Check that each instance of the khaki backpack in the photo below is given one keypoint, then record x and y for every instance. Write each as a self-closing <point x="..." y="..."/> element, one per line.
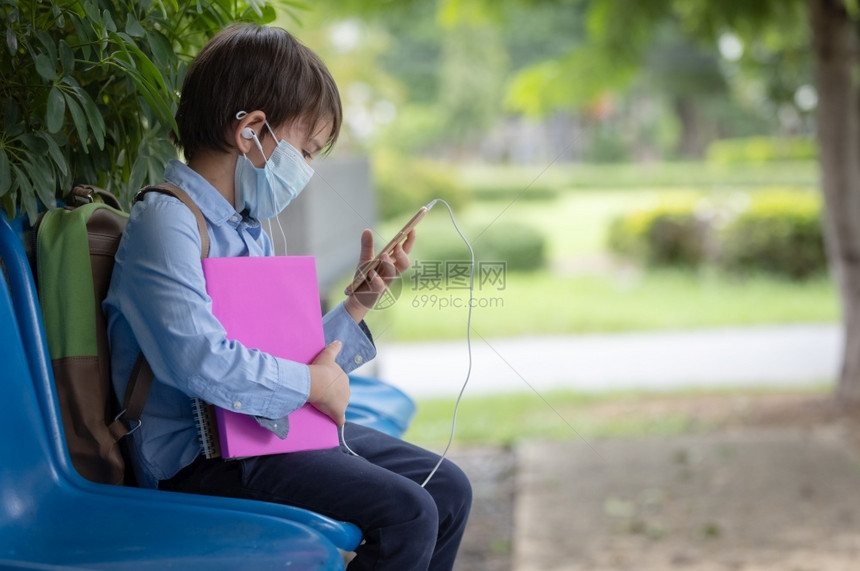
<point x="75" y="248"/>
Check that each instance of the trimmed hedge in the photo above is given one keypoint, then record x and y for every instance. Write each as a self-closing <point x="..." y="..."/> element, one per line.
<point x="761" y="150"/>
<point x="669" y="234"/>
<point x="521" y="247"/>
<point x="404" y="184"/>
<point x="777" y="232"/>
<point x="514" y="192"/>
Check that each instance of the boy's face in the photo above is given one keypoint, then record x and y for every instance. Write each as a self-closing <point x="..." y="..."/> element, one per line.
<point x="309" y="142"/>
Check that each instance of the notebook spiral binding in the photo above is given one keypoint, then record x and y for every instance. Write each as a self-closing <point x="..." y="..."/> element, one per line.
<point x="207" y="429"/>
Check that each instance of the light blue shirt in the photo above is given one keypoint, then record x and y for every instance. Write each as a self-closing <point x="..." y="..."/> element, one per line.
<point x="157" y="303"/>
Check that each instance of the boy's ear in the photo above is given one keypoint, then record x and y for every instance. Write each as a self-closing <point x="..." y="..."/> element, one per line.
<point x="242" y="139"/>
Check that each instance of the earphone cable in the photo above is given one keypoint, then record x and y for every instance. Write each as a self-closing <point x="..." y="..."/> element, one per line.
<point x="468" y="336"/>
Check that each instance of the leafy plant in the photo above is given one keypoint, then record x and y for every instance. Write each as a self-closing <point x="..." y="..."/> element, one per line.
<point x="779" y="233"/>
<point x="762" y="149"/>
<point x="522" y="248"/>
<point x="402" y="183"/>
<point x="667" y="234"/>
<point x="88" y="90"/>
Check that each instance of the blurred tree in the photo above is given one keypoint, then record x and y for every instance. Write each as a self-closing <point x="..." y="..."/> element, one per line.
<point x="834" y="26"/>
<point x="88" y="89"/>
<point x="650" y="49"/>
<point x="451" y="58"/>
<point x="776" y="38"/>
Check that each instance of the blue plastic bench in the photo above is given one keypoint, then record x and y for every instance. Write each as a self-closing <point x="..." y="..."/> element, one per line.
<point x="50" y="515"/>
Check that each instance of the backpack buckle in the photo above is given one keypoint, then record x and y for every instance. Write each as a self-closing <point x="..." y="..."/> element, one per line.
<point x="119" y="416"/>
<point x="87" y="193"/>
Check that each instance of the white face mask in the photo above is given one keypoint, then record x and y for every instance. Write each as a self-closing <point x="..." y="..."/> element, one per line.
<point x="266" y="191"/>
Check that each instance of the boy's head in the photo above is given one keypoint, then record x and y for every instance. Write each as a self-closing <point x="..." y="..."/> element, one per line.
<point x="247" y="68"/>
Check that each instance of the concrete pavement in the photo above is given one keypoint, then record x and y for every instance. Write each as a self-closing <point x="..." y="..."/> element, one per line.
<point x="785" y="355"/>
<point x="752" y="500"/>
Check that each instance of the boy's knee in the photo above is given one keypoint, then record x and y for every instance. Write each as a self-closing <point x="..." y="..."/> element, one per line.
<point x="416" y="508"/>
<point x="453" y="491"/>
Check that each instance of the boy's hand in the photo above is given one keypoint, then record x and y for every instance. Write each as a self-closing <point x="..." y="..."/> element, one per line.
<point x="367" y="294"/>
<point x="329" y="384"/>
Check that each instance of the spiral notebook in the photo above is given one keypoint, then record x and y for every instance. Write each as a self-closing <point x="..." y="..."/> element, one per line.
<point x="272" y="304"/>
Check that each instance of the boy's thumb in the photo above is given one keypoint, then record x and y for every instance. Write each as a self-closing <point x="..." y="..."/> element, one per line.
<point x="333" y="348"/>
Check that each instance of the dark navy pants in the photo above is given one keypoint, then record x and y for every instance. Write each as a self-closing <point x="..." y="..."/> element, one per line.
<point x="405" y="526"/>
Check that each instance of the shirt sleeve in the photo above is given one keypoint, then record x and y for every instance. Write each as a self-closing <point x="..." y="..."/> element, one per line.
<point x="358" y="347"/>
<point x="165" y="302"/>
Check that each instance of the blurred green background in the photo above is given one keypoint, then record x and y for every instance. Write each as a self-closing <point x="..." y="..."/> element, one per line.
<point x="653" y="175"/>
<point x="677" y="188"/>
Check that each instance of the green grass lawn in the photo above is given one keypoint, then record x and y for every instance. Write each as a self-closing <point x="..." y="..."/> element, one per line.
<point x="505" y="420"/>
<point x="583" y="290"/>
<point x="545" y="304"/>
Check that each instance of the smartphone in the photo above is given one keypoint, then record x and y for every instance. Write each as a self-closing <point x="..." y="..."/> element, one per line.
<point x="400" y="237"/>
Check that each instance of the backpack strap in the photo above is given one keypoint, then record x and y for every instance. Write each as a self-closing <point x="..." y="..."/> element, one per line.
<point x="140" y="380"/>
<point x="176" y="192"/>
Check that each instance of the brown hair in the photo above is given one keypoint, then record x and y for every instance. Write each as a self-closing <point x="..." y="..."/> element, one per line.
<point x="247" y="67"/>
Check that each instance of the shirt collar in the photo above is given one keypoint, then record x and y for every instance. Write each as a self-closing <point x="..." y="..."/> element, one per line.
<point x="214" y="206"/>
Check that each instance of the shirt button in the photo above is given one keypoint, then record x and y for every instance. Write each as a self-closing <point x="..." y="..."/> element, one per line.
<point x="275" y="425"/>
<point x="358" y="360"/>
<point x="234" y="218"/>
<point x="237" y="405"/>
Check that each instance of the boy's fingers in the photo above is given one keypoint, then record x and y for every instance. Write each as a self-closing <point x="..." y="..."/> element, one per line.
<point x="366" y="245"/>
<point x="410" y="241"/>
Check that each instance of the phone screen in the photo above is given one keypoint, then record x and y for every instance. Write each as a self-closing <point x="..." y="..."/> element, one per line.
<point x="361" y="276"/>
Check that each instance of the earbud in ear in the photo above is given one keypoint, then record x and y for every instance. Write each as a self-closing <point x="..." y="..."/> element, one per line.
<point x="248" y="133"/>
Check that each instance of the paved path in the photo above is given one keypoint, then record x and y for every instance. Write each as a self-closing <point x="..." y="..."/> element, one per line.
<point x="752" y="356"/>
<point x="753" y="500"/>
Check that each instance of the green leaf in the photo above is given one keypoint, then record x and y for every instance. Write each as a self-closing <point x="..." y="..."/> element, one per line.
<point x="9" y="202"/>
<point x="35" y="145"/>
<point x="5" y="173"/>
<point x="56" y="154"/>
<point x="60" y="21"/>
<point x="56" y="111"/>
<point x="96" y="121"/>
<point x="28" y="197"/>
<point x="78" y="119"/>
<point x="138" y="172"/>
<point x="43" y="179"/>
<point x="91" y="8"/>
<point x="11" y="41"/>
<point x="84" y="34"/>
<point x="48" y="42"/>
<point x="269" y="14"/>
<point x="67" y="58"/>
<point x="160" y="47"/>
<point x="133" y="27"/>
<point x="45" y="67"/>
<point x="146" y="76"/>
<point x="110" y="25"/>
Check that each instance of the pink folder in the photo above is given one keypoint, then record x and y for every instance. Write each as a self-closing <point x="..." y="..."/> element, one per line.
<point x="271" y="304"/>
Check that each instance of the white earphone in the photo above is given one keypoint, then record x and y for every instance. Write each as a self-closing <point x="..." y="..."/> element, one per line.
<point x="248" y="133"/>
